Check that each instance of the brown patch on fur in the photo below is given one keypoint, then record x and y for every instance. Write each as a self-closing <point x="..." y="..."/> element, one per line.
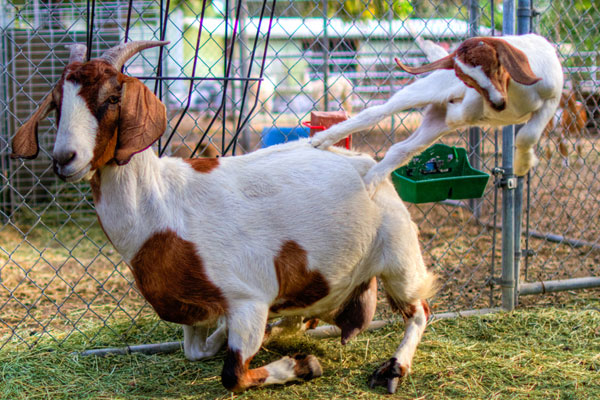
<point x="95" y="185"/>
<point x="358" y="310"/>
<point x="406" y="310"/>
<point x="426" y="309"/>
<point x="203" y="165"/>
<point x="298" y="287"/>
<point x="237" y="375"/>
<point x="311" y="323"/>
<point x="170" y="275"/>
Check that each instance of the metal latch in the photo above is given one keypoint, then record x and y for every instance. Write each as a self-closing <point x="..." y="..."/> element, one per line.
<point x="502" y="180"/>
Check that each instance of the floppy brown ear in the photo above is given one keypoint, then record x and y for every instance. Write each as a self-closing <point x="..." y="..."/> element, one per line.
<point x="443" y="63"/>
<point x="142" y="121"/>
<point x="25" y="142"/>
<point x="514" y="61"/>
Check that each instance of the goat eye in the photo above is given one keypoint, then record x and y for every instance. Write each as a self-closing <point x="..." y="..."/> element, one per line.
<point x="113" y="99"/>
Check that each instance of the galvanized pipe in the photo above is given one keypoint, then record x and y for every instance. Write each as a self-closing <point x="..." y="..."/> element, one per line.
<point x="508" y="194"/>
<point x="320" y="332"/>
<point x="558" y="286"/>
<point x="474" y="132"/>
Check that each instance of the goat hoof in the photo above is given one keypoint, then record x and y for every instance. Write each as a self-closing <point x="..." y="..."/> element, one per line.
<point x="307" y="367"/>
<point x="388" y="375"/>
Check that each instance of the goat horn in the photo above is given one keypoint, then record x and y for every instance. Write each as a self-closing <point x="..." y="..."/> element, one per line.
<point x="118" y="55"/>
<point x="77" y="52"/>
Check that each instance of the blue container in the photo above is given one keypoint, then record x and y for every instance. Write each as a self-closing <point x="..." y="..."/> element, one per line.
<point x="276" y="135"/>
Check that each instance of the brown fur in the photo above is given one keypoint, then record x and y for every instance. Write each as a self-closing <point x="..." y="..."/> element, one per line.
<point x="358" y="311"/>
<point x="427" y="309"/>
<point x="203" y="165"/>
<point x="170" y="275"/>
<point x="298" y="287"/>
<point x="95" y="186"/>
<point x="237" y="375"/>
<point x="143" y="120"/>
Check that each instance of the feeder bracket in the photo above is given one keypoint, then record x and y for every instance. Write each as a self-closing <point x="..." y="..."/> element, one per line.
<point x="503" y="179"/>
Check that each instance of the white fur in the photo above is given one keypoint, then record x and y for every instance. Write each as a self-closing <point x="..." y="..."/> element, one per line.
<point x="452" y="105"/>
<point x="340" y="89"/>
<point x="76" y="133"/>
<point x="482" y="80"/>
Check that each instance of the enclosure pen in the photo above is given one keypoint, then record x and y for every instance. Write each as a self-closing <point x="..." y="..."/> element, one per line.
<point x="62" y="284"/>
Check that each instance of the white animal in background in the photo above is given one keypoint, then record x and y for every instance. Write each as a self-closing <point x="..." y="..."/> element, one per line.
<point x="340" y="90"/>
<point x="569" y="122"/>
<point x="485" y="81"/>
<point x="285" y="231"/>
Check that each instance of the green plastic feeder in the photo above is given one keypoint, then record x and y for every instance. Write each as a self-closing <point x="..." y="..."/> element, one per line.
<point x="441" y="172"/>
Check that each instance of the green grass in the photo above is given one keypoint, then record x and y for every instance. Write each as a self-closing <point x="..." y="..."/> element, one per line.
<point x="544" y="353"/>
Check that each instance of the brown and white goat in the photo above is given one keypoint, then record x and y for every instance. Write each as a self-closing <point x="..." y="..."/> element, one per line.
<point x="485" y="81"/>
<point x="286" y="231"/>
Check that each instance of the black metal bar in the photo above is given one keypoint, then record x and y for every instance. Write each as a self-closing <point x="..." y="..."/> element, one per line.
<point x="227" y="66"/>
<point x="163" y="32"/>
<point x="128" y="23"/>
<point x="241" y="124"/>
<point x="91" y="10"/>
<point x="191" y="88"/>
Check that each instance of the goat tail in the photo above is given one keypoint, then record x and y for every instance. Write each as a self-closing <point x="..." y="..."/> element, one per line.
<point x="429" y="287"/>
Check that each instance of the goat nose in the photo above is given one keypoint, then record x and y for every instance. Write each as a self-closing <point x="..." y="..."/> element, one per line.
<point x="64" y="158"/>
<point x="500" y="107"/>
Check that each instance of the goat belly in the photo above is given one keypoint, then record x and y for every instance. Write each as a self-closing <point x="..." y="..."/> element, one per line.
<point x="170" y="275"/>
<point x="358" y="311"/>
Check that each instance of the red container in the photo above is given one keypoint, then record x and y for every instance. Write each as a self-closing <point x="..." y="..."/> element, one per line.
<point x="321" y="120"/>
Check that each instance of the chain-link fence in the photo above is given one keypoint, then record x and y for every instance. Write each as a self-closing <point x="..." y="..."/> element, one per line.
<point x="59" y="276"/>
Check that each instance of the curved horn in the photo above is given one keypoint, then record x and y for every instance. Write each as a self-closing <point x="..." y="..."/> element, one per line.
<point x="443" y="63"/>
<point x="77" y="52"/>
<point x="118" y="55"/>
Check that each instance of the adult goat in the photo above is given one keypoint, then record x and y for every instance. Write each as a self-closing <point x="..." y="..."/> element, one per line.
<point x="288" y="230"/>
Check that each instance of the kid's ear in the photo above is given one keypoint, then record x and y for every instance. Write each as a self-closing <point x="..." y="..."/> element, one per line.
<point x="142" y="122"/>
<point x="515" y="62"/>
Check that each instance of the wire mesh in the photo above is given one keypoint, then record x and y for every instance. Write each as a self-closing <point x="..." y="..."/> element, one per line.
<point x="60" y="277"/>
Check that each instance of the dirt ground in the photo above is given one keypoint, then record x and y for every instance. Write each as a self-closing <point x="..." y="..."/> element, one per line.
<point x="59" y="277"/>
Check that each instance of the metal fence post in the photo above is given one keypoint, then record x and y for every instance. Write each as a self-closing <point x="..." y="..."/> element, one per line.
<point x="523" y="27"/>
<point x="508" y="192"/>
<point x="474" y="132"/>
<point x="325" y="48"/>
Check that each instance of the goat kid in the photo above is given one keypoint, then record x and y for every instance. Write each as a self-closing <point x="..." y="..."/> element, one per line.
<point x="489" y="81"/>
<point x="286" y="231"/>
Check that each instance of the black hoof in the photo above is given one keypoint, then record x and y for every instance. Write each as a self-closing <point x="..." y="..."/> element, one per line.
<point x="307" y="367"/>
<point x="388" y="375"/>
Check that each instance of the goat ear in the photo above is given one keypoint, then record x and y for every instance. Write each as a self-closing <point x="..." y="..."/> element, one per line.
<point x="142" y="121"/>
<point x="443" y="63"/>
<point x="514" y="61"/>
<point x="25" y="142"/>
